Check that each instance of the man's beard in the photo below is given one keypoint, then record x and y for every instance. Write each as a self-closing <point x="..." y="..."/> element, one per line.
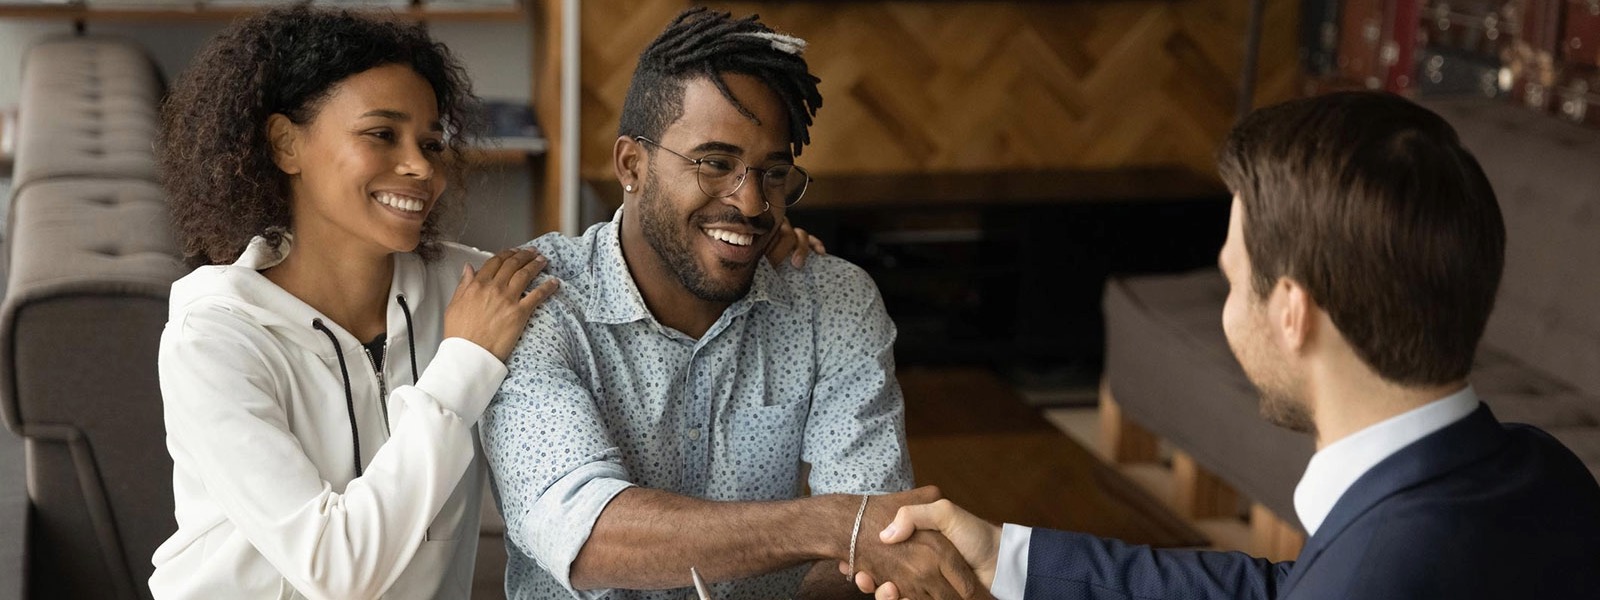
<point x="1269" y="373"/>
<point x="1285" y="411"/>
<point x="664" y="233"/>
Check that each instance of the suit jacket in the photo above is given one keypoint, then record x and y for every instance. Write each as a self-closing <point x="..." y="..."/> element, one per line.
<point x="1478" y="509"/>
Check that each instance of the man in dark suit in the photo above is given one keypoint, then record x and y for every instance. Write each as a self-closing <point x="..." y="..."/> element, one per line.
<point x="1363" y="256"/>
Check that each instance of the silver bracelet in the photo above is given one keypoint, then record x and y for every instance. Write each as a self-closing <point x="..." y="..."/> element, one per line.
<point x="855" y="532"/>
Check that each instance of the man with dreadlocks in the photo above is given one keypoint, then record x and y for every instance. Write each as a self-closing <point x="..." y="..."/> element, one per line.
<point x="667" y="407"/>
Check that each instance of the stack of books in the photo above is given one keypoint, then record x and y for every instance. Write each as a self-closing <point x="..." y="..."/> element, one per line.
<point x="513" y="126"/>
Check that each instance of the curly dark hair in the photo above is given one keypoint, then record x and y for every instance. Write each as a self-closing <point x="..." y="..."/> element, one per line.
<point x="701" y="42"/>
<point x="213" y="152"/>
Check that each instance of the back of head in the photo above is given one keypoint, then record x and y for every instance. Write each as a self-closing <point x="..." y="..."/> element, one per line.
<point x="1371" y="203"/>
<point x="704" y="43"/>
<point x="213" y="152"/>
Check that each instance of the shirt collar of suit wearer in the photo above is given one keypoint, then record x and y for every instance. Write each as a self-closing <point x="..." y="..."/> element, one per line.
<point x="1335" y="468"/>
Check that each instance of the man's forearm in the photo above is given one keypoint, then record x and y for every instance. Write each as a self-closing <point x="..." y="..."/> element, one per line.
<point x="648" y="539"/>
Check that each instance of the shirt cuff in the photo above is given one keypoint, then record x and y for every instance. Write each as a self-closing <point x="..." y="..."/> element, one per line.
<point x="1011" y="570"/>
<point x="560" y="521"/>
<point x="462" y="378"/>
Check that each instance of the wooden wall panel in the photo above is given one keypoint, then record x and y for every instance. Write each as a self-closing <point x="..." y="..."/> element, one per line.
<point x="974" y="86"/>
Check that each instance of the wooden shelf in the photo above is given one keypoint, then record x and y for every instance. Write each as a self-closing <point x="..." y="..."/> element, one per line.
<point x="503" y="156"/>
<point x="205" y="13"/>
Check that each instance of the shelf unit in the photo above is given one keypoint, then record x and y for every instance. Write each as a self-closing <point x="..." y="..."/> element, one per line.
<point x="199" y="12"/>
<point x="554" y="199"/>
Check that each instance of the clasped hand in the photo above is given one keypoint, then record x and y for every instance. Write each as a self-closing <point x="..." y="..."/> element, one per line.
<point x="928" y="550"/>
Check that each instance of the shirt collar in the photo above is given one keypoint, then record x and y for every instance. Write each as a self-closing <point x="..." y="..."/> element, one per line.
<point x="1335" y="468"/>
<point x="616" y="298"/>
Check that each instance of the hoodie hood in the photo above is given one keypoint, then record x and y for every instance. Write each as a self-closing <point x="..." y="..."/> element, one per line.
<point x="241" y="289"/>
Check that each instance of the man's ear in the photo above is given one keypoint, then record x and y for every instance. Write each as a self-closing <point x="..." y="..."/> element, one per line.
<point x="1294" y="314"/>
<point x="284" y="137"/>
<point x="627" y="159"/>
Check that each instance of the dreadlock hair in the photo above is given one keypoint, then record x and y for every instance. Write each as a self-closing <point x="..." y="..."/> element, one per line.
<point x="704" y="43"/>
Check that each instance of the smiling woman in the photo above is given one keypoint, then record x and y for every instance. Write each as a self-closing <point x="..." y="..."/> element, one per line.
<point x="309" y="155"/>
<point x="364" y="167"/>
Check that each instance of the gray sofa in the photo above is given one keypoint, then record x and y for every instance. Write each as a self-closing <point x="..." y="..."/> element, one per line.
<point x="1169" y="369"/>
<point x="89" y="261"/>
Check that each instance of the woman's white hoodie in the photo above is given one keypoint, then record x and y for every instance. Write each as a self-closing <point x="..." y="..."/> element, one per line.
<point x="263" y="440"/>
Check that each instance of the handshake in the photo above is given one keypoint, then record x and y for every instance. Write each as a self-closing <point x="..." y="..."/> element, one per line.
<point x="917" y="545"/>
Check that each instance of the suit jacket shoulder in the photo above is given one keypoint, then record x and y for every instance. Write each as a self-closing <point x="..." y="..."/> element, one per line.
<point x="1476" y="510"/>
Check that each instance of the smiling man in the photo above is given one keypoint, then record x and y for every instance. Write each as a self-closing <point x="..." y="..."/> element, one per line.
<point x="669" y="405"/>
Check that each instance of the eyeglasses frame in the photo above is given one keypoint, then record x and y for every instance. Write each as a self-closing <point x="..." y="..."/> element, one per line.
<point x="742" y="176"/>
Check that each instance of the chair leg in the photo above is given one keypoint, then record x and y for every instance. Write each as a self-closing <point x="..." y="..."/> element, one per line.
<point x="1199" y="494"/>
<point x="1121" y="439"/>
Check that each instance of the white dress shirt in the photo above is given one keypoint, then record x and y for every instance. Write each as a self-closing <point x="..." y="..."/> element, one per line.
<point x="1328" y="476"/>
<point x="1335" y="468"/>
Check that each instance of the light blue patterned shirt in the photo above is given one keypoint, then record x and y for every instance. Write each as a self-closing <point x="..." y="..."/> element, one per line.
<point x="601" y="397"/>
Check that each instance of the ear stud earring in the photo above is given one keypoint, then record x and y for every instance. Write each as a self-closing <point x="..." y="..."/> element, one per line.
<point x="628" y="188"/>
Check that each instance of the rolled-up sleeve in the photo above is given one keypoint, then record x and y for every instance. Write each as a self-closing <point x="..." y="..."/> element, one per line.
<point x="555" y="467"/>
<point x="855" y="438"/>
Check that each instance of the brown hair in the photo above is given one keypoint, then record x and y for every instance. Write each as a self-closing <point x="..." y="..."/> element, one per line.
<point x="216" y="163"/>
<point x="1371" y="203"/>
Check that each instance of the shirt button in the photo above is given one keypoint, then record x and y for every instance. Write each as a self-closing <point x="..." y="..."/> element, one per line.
<point x="694" y="434"/>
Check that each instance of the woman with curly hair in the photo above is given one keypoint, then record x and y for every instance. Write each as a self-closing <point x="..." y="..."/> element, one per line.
<point x="324" y="366"/>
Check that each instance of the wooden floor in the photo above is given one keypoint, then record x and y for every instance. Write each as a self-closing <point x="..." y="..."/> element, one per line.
<point x="971" y="434"/>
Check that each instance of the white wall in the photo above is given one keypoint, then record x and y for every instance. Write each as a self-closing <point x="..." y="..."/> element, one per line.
<point x="497" y="56"/>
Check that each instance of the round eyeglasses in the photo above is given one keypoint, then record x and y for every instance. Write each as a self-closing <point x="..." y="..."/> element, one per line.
<point x="721" y="176"/>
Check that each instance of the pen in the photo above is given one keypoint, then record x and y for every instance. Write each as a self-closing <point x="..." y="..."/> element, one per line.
<point x="699" y="584"/>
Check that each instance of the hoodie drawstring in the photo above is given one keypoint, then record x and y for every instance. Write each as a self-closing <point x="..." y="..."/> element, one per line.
<point x="344" y="370"/>
<point x="411" y="338"/>
<point x="349" y="399"/>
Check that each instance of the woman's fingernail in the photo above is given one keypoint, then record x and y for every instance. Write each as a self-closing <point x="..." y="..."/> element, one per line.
<point x="888" y="532"/>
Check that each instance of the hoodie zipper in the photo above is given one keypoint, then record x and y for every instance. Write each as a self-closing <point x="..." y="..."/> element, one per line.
<point x="383" y="388"/>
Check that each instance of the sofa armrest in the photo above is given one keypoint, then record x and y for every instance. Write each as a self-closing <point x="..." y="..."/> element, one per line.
<point x="92" y="263"/>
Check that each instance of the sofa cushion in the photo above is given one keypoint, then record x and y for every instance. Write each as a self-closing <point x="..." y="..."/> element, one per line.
<point x="87" y="108"/>
<point x="1170" y="368"/>
<point x="80" y="239"/>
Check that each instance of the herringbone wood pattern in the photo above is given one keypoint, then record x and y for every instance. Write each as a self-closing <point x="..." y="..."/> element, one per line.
<point x="975" y="86"/>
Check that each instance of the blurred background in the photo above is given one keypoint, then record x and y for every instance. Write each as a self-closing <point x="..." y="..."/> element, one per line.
<point x="1030" y="183"/>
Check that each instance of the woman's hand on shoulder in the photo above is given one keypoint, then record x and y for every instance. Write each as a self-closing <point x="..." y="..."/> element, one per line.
<point x="794" y="245"/>
<point x="492" y="303"/>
